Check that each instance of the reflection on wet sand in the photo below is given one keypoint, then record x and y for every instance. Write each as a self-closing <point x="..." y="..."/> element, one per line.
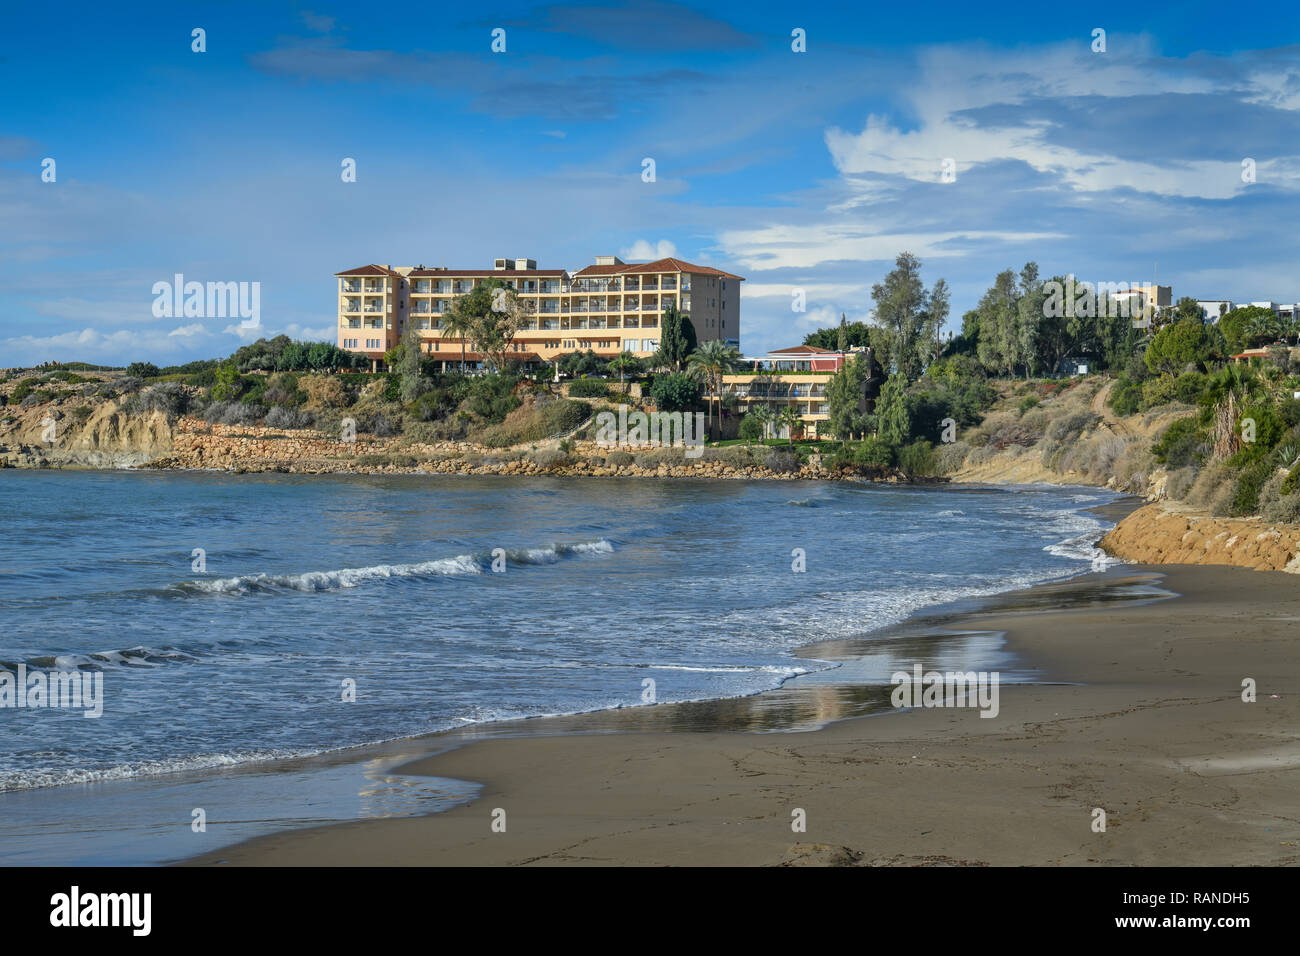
<point x="941" y="639"/>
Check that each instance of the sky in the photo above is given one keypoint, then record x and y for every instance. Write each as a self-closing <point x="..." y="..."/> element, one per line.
<point x="802" y="170"/>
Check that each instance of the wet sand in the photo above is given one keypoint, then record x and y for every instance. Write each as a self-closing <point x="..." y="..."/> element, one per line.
<point x="1132" y="705"/>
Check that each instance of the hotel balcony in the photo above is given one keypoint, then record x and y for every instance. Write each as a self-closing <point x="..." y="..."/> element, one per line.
<point x="351" y="285"/>
<point x="631" y="285"/>
<point x="650" y="285"/>
<point x="668" y="285"/>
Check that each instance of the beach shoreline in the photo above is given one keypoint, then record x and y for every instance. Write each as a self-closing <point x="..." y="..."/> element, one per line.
<point x="1135" y="709"/>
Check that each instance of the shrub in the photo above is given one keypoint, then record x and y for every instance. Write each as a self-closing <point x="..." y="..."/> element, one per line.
<point x="781" y="461"/>
<point x="675" y="392"/>
<point x="1028" y="402"/>
<point x="1158" y="391"/>
<point x="1125" y="397"/>
<point x="282" y="417"/>
<point x="323" y="391"/>
<point x="1245" y="497"/>
<point x="1071" y="426"/>
<point x="1009" y="435"/>
<point x="549" y="457"/>
<point x="1213" y="489"/>
<point x="1188" y="387"/>
<point x="233" y="413"/>
<point x="751" y="429"/>
<point x="619" y="458"/>
<point x="381" y="425"/>
<point x="1277" y="504"/>
<point x="545" y="419"/>
<point x="588" y="388"/>
<point x="916" y="460"/>
<point x="1181" y="444"/>
<point x="171" y="398"/>
<point x="1179" y="483"/>
<point x="873" y="453"/>
<point x="81" y="413"/>
<point x="950" y="457"/>
<point x="143" y="370"/>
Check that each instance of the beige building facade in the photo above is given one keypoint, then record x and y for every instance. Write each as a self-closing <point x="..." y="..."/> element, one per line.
<point x="608" y="307"/>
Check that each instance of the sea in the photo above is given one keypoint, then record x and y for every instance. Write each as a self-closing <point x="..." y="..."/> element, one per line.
<point x="251" y="635"/>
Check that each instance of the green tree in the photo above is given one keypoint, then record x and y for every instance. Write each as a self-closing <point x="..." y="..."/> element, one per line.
<point x="411" y="384"/>
<point x="142" y="370"/>
<point x="790" y="419"/>
<point x="677" y="340"/>
<point x="846" y="398"/>
<point x="1187" y="341"/>
<point x="907" y="316"/>
<point x="228" y="384"/>
<point x="891" y="410"/>
<point x="751" y="428"/>
<point x="1236" y="325"/>
<point x="855" y="334"/>
<point x="710" y="362"/>
<point x="675" y="391"/>
<point x="763" y="416"/>
<point x="624" y="363"/>
<point x="997" y="316"/>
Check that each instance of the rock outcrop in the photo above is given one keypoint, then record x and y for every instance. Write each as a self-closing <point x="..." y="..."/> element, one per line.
<point x="1164" y="533"/>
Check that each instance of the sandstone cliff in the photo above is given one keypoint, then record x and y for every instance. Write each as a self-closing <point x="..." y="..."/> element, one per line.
<point x="1165" y="533"/>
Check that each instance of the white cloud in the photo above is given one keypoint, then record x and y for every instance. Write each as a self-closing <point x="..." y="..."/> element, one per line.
<point x="803" y="247"/>
<point x="953" y="79"/>
<point x="643" y="250"/>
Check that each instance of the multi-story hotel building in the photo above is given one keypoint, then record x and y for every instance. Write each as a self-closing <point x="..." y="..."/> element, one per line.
<point x="796" y="377"/>
<point x="609" y="307"/>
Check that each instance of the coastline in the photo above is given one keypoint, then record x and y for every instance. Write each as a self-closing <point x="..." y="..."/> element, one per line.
<point x="1135" y="708"/>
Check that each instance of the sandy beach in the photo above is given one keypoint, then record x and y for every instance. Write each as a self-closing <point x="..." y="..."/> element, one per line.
<point x="1135" y="708"/>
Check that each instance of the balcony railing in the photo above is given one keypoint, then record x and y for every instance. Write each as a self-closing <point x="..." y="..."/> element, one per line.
<point x="352" y="287"/>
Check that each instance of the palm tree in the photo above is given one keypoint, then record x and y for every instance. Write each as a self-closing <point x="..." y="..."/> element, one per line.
<point x="623" y="363"/>
<point x="460" y="324"/>
<point x="711" y="361"/>
<point x="791" y="419"/>
<point x="763" y="415"/>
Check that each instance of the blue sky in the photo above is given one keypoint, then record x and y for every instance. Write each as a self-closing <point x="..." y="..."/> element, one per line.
<point x="796" y="170"/>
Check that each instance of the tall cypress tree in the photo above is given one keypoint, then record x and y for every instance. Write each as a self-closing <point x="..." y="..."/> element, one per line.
<point x="676" y="339"/>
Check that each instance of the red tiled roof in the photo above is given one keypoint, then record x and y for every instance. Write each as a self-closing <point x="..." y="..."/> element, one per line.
<point x="803" y="350"/>
<point x="370" y="270"/>
<point x="670" y="264"/>
<point x="485" y="273"/>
